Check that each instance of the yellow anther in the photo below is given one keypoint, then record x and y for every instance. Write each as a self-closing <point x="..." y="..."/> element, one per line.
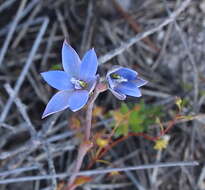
<point x="115" y="76"/>
<point x="82" y="83"/>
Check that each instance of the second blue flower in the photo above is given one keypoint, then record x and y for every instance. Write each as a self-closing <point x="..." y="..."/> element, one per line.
<point x="124" y="81"/>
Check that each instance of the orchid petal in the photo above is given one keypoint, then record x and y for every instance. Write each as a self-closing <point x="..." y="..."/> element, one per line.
<point x="112" y="83"/>
<point x="118" y="95"/>
<point x="78" y="99"/>
<point x="58" y="79"/>
<point x="91" y="83"/>
<point x="140" y="82"/>
<point x="70" y="59"/>
<point x="128" y="88"/>
<point x="89" y="65"/>
<point x="127" y="73"/>
<point x="58" y="102"/>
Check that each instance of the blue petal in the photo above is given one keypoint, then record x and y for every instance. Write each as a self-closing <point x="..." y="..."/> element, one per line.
<point x="92" y="83"/>
<point x="118" y="95"/>
<point x="70" y="59"/>
<point x="89" y="65"/>
<point x="58" y="79"/>
<point x="112" y="83"/>
<point x="58" y="102"/>
<point x="78" y="99"/>
<point x="140" y="82"/>
<point x="127" y="73"/>
<point x="128" y="88"/>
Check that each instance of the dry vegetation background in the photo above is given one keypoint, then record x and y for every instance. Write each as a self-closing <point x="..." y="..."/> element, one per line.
<point x="140" y="34"/>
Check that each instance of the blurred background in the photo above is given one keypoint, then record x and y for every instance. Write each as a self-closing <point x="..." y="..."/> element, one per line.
<point x="165" y="125"/>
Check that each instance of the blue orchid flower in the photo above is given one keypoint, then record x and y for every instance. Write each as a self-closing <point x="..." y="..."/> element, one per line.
<point x="124" y="81"/>
<point x="75" y="83"/>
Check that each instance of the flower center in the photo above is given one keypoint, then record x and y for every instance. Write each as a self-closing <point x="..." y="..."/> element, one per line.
<point x="118" y="78"/>
<point x="78" y="84"/>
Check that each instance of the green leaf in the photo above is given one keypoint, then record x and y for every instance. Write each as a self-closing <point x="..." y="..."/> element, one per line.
<point x="56" y="67"/>
<point x="136" y="122"/>
<point x="122" y="130"/>
<point x="185" y="102"/>
<point x="124" y="108"/>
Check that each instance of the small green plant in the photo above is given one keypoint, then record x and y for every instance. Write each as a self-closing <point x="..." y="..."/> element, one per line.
<point x="134" y="118"/>
<point x="55" y="67"/>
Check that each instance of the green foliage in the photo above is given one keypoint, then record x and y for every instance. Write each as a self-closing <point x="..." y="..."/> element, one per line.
<point x="135" y="118"/>
<point x="56" y="67"/>
<point x="122" y="130"/>
<point x="124" y="108"/>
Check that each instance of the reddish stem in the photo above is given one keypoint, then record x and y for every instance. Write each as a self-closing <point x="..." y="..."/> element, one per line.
<point x="148" y="137"/>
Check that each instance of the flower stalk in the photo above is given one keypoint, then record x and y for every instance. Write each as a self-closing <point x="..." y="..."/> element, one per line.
<point x="87" y="143"/>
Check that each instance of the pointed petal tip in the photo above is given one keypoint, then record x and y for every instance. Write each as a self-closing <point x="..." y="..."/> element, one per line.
<point x="57" y="103"/>
<point x="75" y="110"/>
<point x="65" y="42"/>
<point x="123" y="98"/>
<point x="70" y="59"/>
<point x="118" y="95"/>
<point x="42" y="74"/>
<point x="89" y="64"/>
<point x="139" y="94"/>
<point x="145" y="81"/>
<point x="92" y="50"/>
<point x="44" y="115"/>
<point x="141" y="82"/>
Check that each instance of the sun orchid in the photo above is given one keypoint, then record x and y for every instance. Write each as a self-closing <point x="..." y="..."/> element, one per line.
<point x="75" y="83"/>
<point x="124" y="81"/>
